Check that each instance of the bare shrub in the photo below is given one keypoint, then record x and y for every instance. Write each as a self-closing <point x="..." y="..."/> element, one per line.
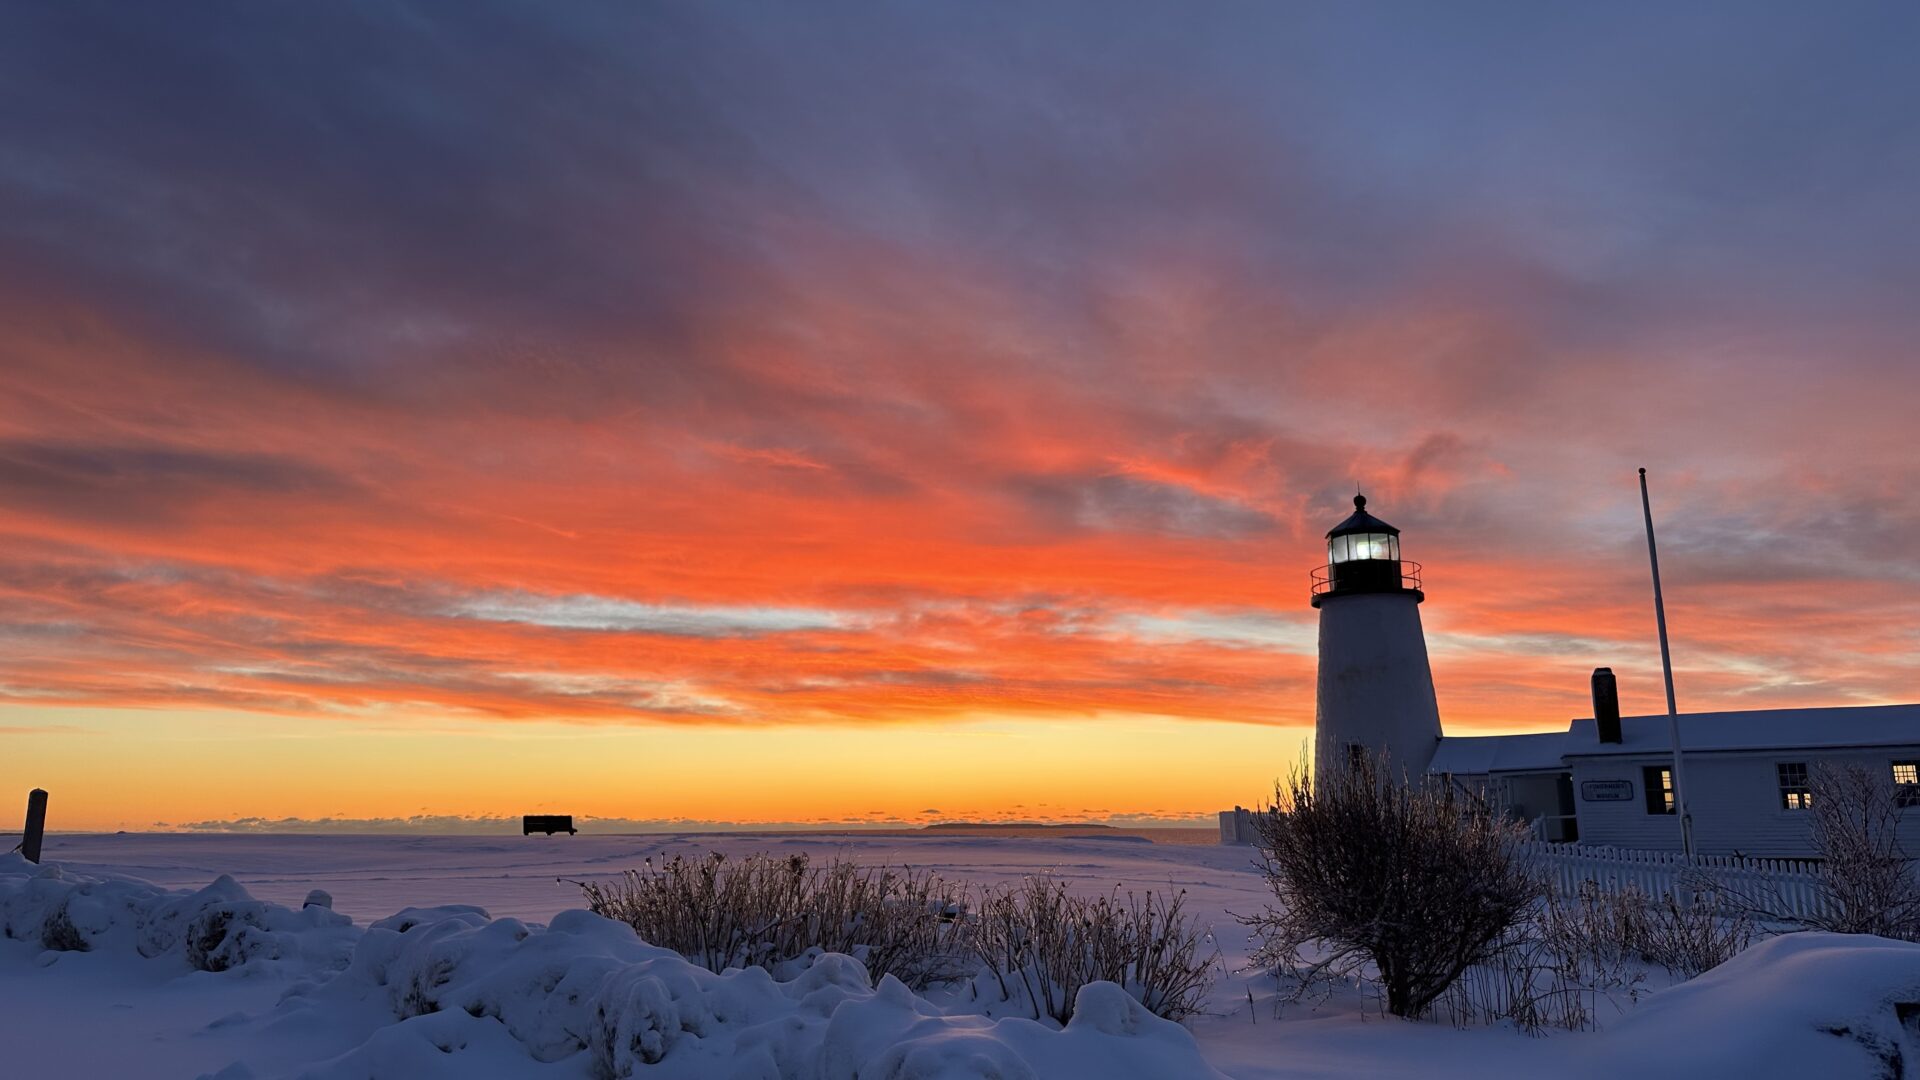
<point x="763" y="910"/>
<point x="1866" y="878"/>
<point x="1553" y="968"/>
<point x="1040" y="942"/>
<point x="1594" y="930"/>
<point x="1043" y="944"/>
<point x="1409" y="883"/>
<point x="1693" y="930"/>
<point x="1573" y="952"/>
<point x="1687" y="931"/>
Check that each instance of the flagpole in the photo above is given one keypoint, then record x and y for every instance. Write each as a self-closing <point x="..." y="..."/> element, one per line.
<point x="1666" y="667"/>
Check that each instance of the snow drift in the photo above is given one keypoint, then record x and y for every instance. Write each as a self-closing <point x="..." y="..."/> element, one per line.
<point x="216" y="928"/>
<point x="451" y="992"/>
<point x="180" y="982"/>
<point x="1799" y="1005"/>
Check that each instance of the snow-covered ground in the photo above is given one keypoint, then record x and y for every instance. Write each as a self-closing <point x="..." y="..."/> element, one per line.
<point x="320" y="993"/>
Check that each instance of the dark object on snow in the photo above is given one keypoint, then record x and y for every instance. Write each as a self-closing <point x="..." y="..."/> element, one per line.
<point x="36" y="826"/>
<point x="547" y="823"/>
<point x="1606" y="705"/>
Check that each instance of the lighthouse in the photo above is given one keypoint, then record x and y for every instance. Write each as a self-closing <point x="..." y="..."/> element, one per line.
<point x="1375" y="696"/>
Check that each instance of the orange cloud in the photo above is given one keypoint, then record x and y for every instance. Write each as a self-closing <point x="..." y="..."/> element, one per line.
<point x="767" y="408"/>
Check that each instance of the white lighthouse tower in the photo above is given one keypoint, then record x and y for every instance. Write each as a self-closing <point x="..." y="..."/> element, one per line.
<point x="1376" y="689"/>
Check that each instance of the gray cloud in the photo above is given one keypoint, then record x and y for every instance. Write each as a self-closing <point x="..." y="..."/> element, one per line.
<point x="135" y="483"/>
<point x="1130" y="504"/>
<point x="335" y="188"/>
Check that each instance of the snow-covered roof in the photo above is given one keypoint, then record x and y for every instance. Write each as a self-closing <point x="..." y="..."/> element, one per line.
<point x="1467" y="755"/>
<point x="1761" y="729"/>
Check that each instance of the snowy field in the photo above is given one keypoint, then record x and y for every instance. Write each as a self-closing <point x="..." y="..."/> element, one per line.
<point x="319" y="995"/>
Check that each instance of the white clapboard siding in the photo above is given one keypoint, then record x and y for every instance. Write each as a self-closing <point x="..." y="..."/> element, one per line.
<point x="1788" y="888"/>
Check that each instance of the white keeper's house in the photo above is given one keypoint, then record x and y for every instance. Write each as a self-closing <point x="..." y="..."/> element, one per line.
<point x="1605" y="779"/>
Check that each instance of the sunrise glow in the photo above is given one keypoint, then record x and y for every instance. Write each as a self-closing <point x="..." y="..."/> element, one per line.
<point x="672" y="447"/>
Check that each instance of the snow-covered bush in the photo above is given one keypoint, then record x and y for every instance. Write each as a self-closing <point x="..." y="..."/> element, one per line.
<point x="768" y="911"/>
<point x="450" y="992"/>
<point x="216" y="928"/>
<point x="1407" y="884"/>
<point x="67" y="912"/>
<point x="58" y="933"/>
<point x="1866" y="878"/>
<point x="467" y="991"/>
<point x="1042" y="944"/>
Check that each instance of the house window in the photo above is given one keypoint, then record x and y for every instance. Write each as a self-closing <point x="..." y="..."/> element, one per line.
<point x="1795" y="793"/>
<point x="1906" y="783"/>
<point x="1657" y="782"/>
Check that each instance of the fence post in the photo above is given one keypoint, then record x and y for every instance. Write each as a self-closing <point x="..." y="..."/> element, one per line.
<point x="36" y="825"/>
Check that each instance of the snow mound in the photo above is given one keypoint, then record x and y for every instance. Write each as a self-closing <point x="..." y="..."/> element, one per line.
<point x="1800" y="1005"/>
<point x="450" y="992"/>
<point x="217" y="928"/>
<point x="587" y="992"/>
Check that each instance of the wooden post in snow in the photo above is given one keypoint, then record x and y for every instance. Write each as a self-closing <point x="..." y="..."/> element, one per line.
<point x="36" y="824"/>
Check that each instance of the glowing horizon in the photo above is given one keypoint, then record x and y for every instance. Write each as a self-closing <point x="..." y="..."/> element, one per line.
<point x="629" y="413"/>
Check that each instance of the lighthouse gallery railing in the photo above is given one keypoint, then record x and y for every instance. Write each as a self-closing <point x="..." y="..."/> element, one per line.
<point x="1323" y="575"/>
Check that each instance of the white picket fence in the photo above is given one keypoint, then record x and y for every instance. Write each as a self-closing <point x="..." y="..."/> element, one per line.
<point x="1787" y="888"/>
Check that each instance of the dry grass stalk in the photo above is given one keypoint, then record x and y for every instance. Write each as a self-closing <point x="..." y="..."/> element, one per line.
<point x="1570" y="953"/>
<point x="1043" y="944"/>
<point x="762" y="911"/>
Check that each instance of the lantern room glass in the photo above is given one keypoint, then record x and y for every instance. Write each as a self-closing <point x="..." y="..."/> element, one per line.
<point x="1358" y="547"/>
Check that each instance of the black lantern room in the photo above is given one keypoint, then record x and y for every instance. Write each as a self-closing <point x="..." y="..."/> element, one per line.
<point x="1363" y="556"/>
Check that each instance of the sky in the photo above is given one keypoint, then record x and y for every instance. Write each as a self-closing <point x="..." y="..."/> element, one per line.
<point x="413" y="415"/>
